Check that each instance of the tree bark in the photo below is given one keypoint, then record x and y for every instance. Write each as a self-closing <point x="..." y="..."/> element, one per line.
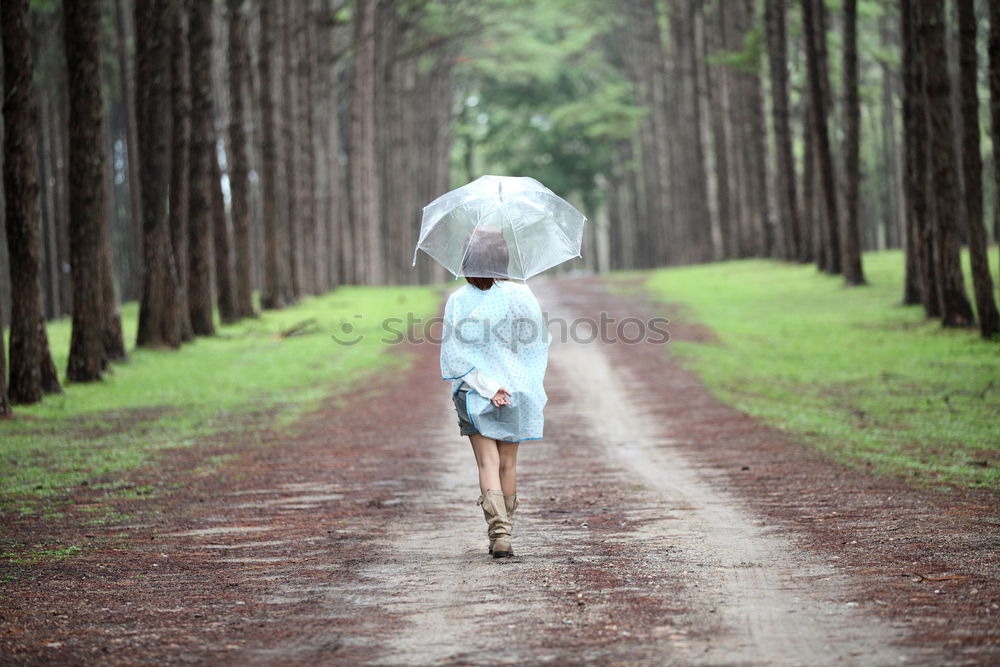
<point x="993" y="53"/>
<point x="29" y="351"/>
<point x="337" y="226"/>
<point x="972" y="168"/>
<point x="364" y="191"/>
<point x="180" y="162"/>
<point x="719" y="92"/>
<point x="159" y="314"/>
<point x="222" y="244"/>
<point x="851" y="261"/>
<point x="202" y="153"/>
<point x="239" y="180"/>
<point x="273" y="287"/>
<point x="814" y="33"/>
<point x="126" y="79"/>
<point x="756" y="155"/>
<point x="920" y="244"/>
<point x="943" y="168"/>
<point x="306" y="148"/>
<point x="292" y="163"/>
<point x="777" y="50"/>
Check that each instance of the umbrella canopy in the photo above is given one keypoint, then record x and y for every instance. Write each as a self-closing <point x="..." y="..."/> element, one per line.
<point x="500" y="227"/>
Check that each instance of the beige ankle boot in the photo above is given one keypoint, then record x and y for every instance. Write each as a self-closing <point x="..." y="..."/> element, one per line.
<point x="498" y="524"/>
<point x="510" y="502"/>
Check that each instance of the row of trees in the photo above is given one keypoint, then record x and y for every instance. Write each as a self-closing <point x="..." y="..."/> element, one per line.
<point x="191" y="152"/>
<point x="715" y="129"/>
<point x="730" y="185"/>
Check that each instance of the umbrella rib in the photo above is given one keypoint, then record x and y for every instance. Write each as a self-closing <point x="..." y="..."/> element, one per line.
<point x="513" y="235"/>
<point x="468" y="247"/>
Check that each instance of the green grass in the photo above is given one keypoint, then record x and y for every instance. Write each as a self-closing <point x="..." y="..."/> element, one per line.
<point x="162" y="399"/>
<point x="848" y="370"/>
<point x="40" y="554"/>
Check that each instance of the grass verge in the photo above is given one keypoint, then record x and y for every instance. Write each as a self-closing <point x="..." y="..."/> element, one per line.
<point x="850" y="371"/>
<point x="163" y="399"/>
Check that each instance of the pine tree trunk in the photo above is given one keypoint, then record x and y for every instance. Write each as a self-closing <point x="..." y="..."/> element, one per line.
<point x="29" y="353"/>
<point x="364" y="190"/>
<point x="126" y="79"/>
<point x="943" y="168"/>
<point x="200" y="222"/>
<point x="814" y="33"/>
<point x="305" y="150"/>
<point x="273" y="286"/>
<point x="50" y="253"/>
<point x="292" y="162"/>
<point x="920" y="243"/>
<point x="718" y="89"/>
<point x="87" y="204"/>
<point x="334" y="181"/>
<point x="777" y="50"/>
<point x="180" y="160"/>
<point x="701" y="218"/>
<point x="853" y="272"/>
<point x="993" y="51"/>
<point x="239" y="161"/>
<point x="159" y="313"/>
<point x="222" y="246"/>
<point x="972" y="168"/>
<point x="757" y="161"/>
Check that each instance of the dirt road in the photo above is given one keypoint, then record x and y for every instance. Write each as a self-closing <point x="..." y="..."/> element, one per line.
<point x="644" y="536"/>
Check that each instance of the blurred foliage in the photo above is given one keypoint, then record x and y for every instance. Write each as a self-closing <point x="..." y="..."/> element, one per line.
<point x="541" y="98"/>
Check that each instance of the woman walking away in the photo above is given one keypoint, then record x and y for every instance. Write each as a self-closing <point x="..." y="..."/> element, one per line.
<point x="494" y="350"/>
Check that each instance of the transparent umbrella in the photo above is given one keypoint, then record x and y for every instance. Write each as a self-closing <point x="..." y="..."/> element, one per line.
<point x="500" y="227"/>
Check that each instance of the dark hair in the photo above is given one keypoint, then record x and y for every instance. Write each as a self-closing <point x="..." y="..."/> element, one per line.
<point x="485" y="251"/>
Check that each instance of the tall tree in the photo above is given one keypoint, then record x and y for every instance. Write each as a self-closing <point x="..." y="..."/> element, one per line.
<point x="159" y="313"/>
<point x="291" y="106"/>
<point x="30" y="360"/>
<point x="972" y="170"/>
<point x="274" y="284"/>
<point x="239" y="181"/>
<point x="815" y="34"/>
<point x="364" y="191"/>
<point x="719" y="109"/>
<point x="755" y="145"/>
<point x="943" y="168"/>
<point x="853" y="272"/>
<point x="306" y="149"/>
<point x="202" y="153"/>
<point x="222" y="246"/>
<point x="86" y="188"/>
<point x="180" y="160"/>
<point x="920" y="239"/>
<point x="993" y="50"/>
<point x="777" y="51"/>
<point x="126" y="80"/>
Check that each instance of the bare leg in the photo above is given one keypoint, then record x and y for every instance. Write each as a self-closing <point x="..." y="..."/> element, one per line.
<point x="488" y="459"/>
<point x="508" y="467"/>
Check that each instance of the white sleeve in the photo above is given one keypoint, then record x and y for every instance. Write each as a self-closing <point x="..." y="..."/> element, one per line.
<point x="483" y="385"/>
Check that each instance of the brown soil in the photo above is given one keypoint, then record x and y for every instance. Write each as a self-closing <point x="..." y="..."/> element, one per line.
<point x="657" y="525"/>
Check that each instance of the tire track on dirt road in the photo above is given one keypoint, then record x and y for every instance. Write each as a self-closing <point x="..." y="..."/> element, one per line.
<point x="772" y="603"/>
